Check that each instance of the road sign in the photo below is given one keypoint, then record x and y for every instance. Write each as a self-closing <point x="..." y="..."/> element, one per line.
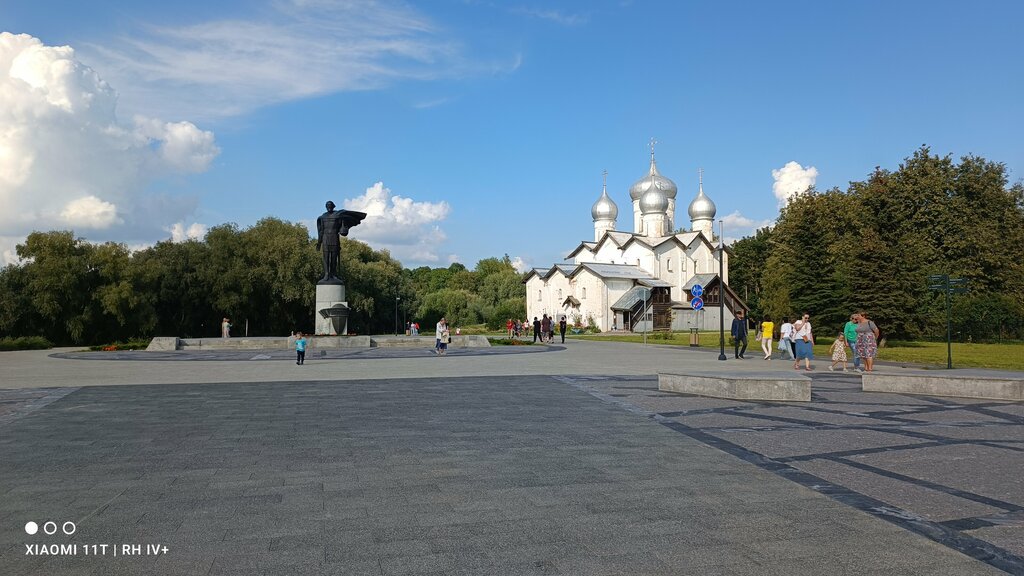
<point x="697" y="303"/>
<point x="697" y="290"/>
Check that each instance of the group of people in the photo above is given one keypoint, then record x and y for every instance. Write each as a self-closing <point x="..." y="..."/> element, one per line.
<point x="412" y="328"/>
<point x="544" y="329"/>
<point x="796" y="341"/>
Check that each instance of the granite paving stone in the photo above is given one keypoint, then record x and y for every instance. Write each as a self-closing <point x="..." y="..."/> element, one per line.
<point x="487" y="475"/>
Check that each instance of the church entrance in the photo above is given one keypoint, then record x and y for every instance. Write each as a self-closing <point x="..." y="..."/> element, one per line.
<point x="645" y="311"/>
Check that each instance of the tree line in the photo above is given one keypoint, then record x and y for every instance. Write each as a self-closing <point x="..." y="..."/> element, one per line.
<point x="71" y="291"/>
<point x="873" y="246"/>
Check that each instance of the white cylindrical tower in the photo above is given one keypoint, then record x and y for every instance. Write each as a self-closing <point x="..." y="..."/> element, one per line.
<point x="702" y="211"/>
<point x="604" y="212"/>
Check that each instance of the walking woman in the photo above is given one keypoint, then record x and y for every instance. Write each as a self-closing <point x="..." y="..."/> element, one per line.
<point x="867" y="341"/>
<point x="786" y="351"/>
<point x="767" y="332"/>
<point x="804" y="339"/>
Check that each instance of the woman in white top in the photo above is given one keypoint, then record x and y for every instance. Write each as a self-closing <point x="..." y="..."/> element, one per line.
<point x="804" y="339"/>
<point x="786" y="340"/>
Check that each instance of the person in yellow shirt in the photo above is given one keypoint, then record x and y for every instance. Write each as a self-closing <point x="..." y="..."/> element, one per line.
<point x="767" y="331"/>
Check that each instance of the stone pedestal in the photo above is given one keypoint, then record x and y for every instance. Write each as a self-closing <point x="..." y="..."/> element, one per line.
<point x="327" y="296"/>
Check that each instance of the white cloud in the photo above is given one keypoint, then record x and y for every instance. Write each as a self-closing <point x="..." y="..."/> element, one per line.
<point x="291" y="49"/>
<point x="738" y="226"/>
<point x="453" y="258"/>
<point x="67" y="161"/>
<point x="408" y="229"/>
<point x="90" y="212"/>
<point x="519" y="264"/>
<point x="792" y="179"/>
<point x="179" y="233"/>
<point x="8" y="252"/>
<point x="555" y="16"/>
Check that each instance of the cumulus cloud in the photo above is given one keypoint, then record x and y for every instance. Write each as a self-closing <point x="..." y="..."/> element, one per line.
<point x="90" y="212"/>
<point x="519" y="264"/>
<point x="792" y="179"/>
<point x="410" y="230"/>
<point x="738" y="226"/>
<point x="179" y="233"/>
<point x="67" y="161"/>
<point x="288" y="50"/>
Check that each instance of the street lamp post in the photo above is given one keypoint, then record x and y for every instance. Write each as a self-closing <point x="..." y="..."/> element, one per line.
<point x="397" y="298"/>
<point x="721" y="291"/>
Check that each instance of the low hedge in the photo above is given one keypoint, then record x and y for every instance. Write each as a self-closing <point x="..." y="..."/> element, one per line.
<point x="25" y="343"/>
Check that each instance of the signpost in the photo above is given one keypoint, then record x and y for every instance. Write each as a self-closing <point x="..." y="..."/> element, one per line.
<point x="949" y="286"/>
<point x="697" y="303"/>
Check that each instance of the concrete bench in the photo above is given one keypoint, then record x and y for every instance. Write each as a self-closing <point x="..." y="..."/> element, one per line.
<point x="967" y="383"/>
<point x="753" y="386"/>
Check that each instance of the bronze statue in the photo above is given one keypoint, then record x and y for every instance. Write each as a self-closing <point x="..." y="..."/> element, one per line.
<point x="330" y="226"/>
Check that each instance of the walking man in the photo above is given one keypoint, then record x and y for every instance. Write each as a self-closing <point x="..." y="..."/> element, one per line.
<point x="739" y="334"/>
<point x="536" y="329"/>
<point x="561" y="329"/>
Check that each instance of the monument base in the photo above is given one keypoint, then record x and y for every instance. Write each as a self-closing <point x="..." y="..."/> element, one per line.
<point x="327" y="296"/>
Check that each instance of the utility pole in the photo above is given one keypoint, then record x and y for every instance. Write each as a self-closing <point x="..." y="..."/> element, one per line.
<point x="721" y="290"/>
<point x="397" y="298"/>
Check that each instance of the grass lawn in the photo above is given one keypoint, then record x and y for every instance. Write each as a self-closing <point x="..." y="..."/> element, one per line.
<point x="933" y="354"/>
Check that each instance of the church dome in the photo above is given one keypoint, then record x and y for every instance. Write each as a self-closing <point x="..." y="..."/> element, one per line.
<point x="702" y="208"/>
<point x="653" y="201"/>
<point x="653" y="179"/>
<point x="604" y="208"/>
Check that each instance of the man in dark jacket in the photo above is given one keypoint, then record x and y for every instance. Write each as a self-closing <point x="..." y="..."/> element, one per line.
<point x="536" y="329"/>
<point x="561" y="328"/>
<point x="739" y="333"/>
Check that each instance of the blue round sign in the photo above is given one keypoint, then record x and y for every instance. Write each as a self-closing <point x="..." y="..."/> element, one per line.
<point x="697" y="290"/>
<point x="697" y="303"/>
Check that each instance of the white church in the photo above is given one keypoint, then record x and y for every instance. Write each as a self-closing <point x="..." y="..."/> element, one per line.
<point x="639" y="280"/>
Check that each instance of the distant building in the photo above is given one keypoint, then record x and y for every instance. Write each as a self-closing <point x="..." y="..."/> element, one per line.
<point x="639" y="280"/>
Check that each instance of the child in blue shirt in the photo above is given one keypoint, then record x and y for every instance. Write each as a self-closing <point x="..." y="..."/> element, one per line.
<point x="300" y="349"/>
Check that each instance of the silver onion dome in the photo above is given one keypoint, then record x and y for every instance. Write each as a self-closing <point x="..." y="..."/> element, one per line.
<point x="653" y="179"/>
<point x="702" y="208"/>
<point x="653" y="201"/>
<point x="604" y="208"/>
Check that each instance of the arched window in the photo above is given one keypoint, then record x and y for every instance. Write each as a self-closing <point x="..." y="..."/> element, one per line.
<point x="583" y="294"/>
<point x="540" y="295"/>
<point x="559" y="294"/>
<point x="668" y="264"/>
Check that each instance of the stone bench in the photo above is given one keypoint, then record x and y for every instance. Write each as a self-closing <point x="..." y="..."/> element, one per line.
<point x="968" y="383"/>
<point x="753" y="386"/>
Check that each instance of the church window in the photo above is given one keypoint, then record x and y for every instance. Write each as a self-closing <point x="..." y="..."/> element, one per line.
<point x="540" y="295"/>
<point x="583" y="294"/>
<point x="559" y="294"/>
<point x="668" y="264"/>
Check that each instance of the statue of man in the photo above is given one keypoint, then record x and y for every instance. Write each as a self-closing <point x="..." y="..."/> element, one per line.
<point x="330" y="226"/>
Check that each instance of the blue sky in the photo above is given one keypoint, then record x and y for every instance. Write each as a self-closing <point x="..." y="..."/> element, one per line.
<point x="489" y="122"/>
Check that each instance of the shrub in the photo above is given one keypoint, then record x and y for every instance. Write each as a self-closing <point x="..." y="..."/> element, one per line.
<point x="509" y="342"/>
<point x="25" y="343"/>
<point x="134" y="344"/>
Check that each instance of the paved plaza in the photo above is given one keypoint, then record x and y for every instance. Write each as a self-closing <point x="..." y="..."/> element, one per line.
<point x="535" y="460"/>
